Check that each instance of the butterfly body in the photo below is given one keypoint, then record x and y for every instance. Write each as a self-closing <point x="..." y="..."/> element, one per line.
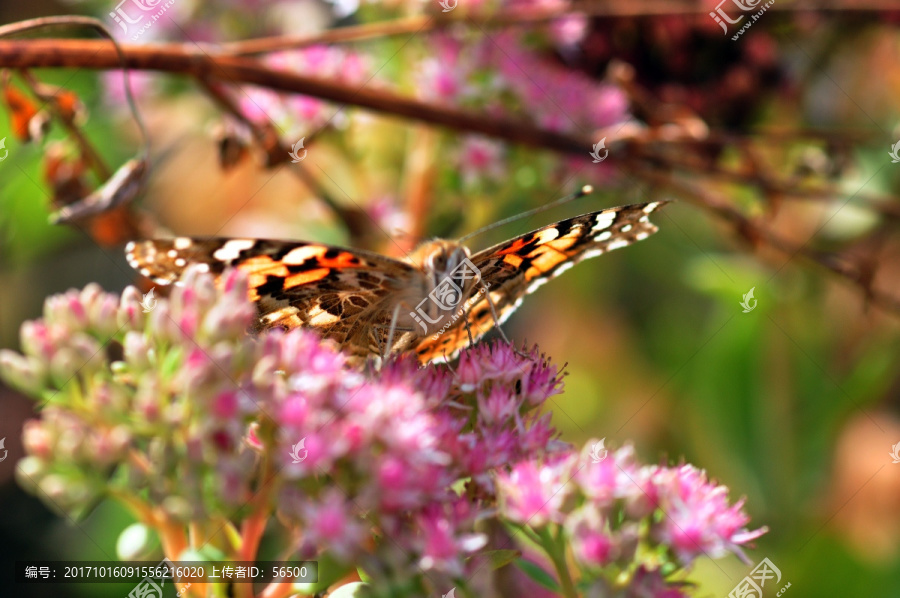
<point x="434" y="302"/>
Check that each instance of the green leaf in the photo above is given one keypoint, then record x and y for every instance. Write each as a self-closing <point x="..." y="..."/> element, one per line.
<point x="501" y="558"/>
<point x="540" y="576"/>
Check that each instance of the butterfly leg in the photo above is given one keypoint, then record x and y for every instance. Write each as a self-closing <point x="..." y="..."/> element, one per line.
<point x="487" y="295"/>
<point x="390" y="337"/>
<point x="469" y="331"/>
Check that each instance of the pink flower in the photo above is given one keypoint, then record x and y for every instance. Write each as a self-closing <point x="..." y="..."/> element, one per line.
<point x="569" y="30"/>
<point x="331" y="521"/>
<point x="480" y="157"/>
<point x="613" y="478"/>
<point x="592" y="542"/>
<point x="294" y="411"/>
<point x="649" y="583"/>
<point x="698" y="519"/>
<point x="533" y="493"/>
<point x="225" y="405"/>
<point x="444" y="542"/>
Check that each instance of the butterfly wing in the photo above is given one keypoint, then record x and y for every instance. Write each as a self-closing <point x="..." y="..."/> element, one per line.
<point x="347" y="295"/>
<point x="519" y="266"/>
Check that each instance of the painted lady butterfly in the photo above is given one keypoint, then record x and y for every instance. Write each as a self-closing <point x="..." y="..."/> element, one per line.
<point x="436" y="302"/>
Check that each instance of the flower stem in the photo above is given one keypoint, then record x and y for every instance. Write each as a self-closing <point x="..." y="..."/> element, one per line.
<point x="556" y="550"/>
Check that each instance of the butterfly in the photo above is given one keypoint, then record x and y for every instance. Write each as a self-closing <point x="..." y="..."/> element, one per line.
<point x="438" y="300"/>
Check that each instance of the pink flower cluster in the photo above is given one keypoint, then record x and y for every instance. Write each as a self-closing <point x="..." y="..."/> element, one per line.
<point x="610" y="506"/>
<point x="173" y="404"/>
<point x="213" y="412"/>
<point x="497" y="72"/>
<point x="298" y="114"/>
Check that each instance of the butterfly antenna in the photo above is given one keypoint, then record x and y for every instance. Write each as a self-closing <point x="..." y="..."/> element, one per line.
<point x="586" y="190"/>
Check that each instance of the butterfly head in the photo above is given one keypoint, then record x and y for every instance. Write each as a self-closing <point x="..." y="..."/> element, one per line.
<point x="440" y="258"/>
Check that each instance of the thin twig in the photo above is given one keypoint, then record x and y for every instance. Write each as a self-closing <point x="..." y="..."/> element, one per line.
<point x="49" y="94"/>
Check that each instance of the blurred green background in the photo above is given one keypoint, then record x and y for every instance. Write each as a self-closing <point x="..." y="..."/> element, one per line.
<point x="795" y="405"/>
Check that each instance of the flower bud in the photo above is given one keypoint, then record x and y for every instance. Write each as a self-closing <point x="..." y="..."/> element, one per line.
<point x="136" y="542"/>
<point x="36" y="439"/>
<point x="136" y="350"/>
<point x="63" y="366"/>
<point x="103" y="315"/>
<point x="29" y="472"/>
<point x="131" y="314"/>
<point x="21" y="372"/>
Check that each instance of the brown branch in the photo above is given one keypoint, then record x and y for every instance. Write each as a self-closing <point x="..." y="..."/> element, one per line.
<point x="176" y="58"/>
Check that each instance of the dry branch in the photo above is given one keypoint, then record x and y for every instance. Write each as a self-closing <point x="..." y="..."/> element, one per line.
<point x="206" y="63"/>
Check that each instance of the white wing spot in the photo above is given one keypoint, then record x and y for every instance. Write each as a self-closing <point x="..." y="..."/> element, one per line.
<point x="603" y="236"/>
<point x="604" y="219"/>
<point x="626" y="228"/>
<point x="182" y="243"/>
<point x="563" y="267"/>
<point x="172" y="253"/>
<point x="538" y="283"/>
<point x="644" y="219"/>
<point x="592" y="253"/>
<point x="617" y="244"/>
<point x="651" y="206"/>
<point x="232" y="249"/>
<point x="180" y="262"/>
<point x="641" y="236"/>
<point x="301" y="254"/>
